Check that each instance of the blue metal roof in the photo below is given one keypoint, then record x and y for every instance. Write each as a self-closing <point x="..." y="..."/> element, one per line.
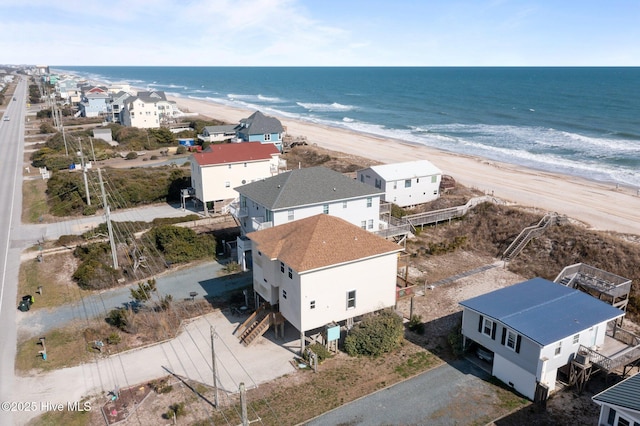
<point x="542" y="310"/>
<point x="625" y="394"/>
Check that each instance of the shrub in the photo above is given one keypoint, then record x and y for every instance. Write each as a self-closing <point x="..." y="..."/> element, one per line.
<point x="375" y="335"/>
<point x="320" y="350"/>
<point x="161" y="386"/>
<point x="415" y="324"/>
<point x="181" y="150"/>
<point x="176" y="410"/>
<point x="114" y="338"/>
<point x="231" y="267"/>
<point x="131" y="155"/>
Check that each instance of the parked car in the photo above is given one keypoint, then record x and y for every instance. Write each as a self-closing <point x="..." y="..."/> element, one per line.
<point x="6" y="118"/>
<point x="484" y="354"/>
<point x="25" y="303"/>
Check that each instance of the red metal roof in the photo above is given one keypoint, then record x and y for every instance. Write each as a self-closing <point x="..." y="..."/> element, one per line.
<point x="235" y="153"/>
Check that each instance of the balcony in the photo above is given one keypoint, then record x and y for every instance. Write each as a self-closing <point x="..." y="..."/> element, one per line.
<point x="237" y="211"/>
<point x="259" y="223"/>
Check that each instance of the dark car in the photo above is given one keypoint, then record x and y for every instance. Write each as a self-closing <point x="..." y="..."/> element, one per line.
<point x="25" y="303"/>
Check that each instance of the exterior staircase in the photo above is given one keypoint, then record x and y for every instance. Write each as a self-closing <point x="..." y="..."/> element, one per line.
<point x="257" y="324"/>
<point x="527" y="235"/>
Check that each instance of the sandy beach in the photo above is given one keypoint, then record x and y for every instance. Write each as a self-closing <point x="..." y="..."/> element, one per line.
<point x="598" y="205"/>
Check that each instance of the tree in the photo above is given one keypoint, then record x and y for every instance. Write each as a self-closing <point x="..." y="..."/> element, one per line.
<point x="143" y="291"/>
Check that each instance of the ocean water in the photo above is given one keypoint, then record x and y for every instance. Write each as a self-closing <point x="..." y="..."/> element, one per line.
<point x="575" y="121"/>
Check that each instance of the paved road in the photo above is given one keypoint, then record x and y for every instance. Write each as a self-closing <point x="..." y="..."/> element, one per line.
<point x="454" y="393"/>
<point x="206" y="279"/>
<point x="11" y="146"/>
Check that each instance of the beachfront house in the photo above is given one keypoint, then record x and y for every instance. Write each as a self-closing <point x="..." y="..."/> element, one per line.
<point x="301" y="193"/>
<point x="218" y="133"/>
<point x="404" y="184"/>
<point x="620" y="404"/>
<point x="321" y="270"/>
<point x="216" y="172"/>
<point x="147" y="110"/>
<point x="260" y="128"/>
<point x="530" y="330"/>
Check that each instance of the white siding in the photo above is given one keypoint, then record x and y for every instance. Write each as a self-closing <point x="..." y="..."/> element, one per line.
<point x="355" y="212"/>
<point x="422" y="189"/>
<point x="216" y="182"/>
<point x="374" y="281"/>
<point x="514" y="376"/>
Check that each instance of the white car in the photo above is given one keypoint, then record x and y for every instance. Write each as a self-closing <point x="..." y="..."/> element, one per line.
<point x="6" y="118"/>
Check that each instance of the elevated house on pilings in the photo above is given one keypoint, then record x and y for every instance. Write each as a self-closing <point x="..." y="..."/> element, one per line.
<point x="534" y="331"/>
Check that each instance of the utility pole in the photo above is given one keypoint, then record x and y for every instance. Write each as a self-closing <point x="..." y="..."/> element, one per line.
<point x="213" y="363"/>
<point x="64" y="138"/>
<point x="243" y="404"/>
<point x="114" y="254"/>
<point x="93" y="153"/>
<point x="84" y="173"/>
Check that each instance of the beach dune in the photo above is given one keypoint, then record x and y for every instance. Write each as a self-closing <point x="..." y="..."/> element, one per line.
<point x="600" y="206"/>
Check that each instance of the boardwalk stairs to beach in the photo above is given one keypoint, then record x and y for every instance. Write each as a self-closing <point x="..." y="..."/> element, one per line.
<point x="400" y="227"/>
<point x="528" y="234"/>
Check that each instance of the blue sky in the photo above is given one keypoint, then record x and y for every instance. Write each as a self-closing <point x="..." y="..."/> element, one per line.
<point x="321" y="32"/>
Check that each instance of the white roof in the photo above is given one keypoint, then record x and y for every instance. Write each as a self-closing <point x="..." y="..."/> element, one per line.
<point x="410" y="169"/>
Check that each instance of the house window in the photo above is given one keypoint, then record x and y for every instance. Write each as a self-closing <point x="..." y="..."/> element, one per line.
<point x="611" y="417"/>
<point x="395" y="185"/>
<point x="369" y="201"/>
<point x="344" y="204"/>
<point x="267" y="137"/>
<point x="378" y="183"/>
<point x="434" y="179"/>
<point x="229" y="166"/>
<point x="227" y="184"/>
<point x="623" y="422"/>
<point x="290" y="273"/>
<point x="511" y="340"/>
<point x="558" y="350"/>
<point x="487" y="327"/>
<point x="245" y="164"/>
<point x="417" y="180"/>
<point x="576" y="339"/>
<point x="361" y="178"/>
<point x="290" y="215"/>
<point x="363" y="224"/>
<point x="282" y="267"/>
<point x="325" y="208"/>
<point x="407" y="183"/>
<point x="312" y="304"/>
<point x="284" y="293"/>
<point x="351" y="299"/>
<point x="370" y="224"/>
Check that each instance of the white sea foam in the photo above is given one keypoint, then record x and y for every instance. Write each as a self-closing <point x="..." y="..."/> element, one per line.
<point x="318" y="107"/>
<point x="254" y="98"/>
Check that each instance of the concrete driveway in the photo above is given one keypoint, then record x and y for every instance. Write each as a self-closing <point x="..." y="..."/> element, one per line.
<point x="188" y="355"/>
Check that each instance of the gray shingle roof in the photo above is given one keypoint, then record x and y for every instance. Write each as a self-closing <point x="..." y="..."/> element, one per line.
<point x="259" y="124"/>
<point x="155" y="96"/>
<point x="542" y="310"/>
<point x="624" y="394"/>
<point x="300" y="187"/>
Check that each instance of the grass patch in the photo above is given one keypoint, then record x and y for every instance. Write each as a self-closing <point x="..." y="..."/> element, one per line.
<point x="34" y="200"/>
<point x="50" y="274"/>
<point x="64" y="349"/>
<point x="68" y="418"/>
<point x="416" y="363"/>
